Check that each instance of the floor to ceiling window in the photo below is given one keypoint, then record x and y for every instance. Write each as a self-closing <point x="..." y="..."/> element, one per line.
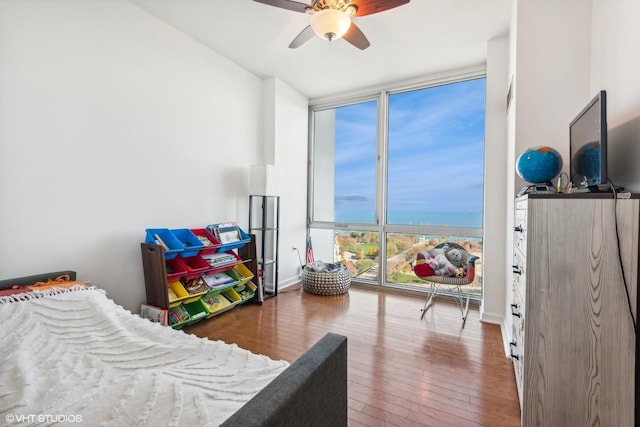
<point x="395" y="173"/>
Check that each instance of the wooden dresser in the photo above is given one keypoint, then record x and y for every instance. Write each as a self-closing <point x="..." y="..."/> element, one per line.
<point x="573" y="341"/>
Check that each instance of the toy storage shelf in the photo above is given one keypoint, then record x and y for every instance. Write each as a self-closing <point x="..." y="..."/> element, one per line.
<point x="196" y="282"/>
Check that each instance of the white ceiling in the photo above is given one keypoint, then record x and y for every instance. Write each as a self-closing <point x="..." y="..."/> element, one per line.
<point x="420" y="38"/>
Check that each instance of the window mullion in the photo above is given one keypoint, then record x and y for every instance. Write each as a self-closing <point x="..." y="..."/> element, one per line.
<point x="381" y="187"/>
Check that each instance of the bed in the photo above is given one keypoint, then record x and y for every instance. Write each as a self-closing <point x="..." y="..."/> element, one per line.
<point x="70" y="354"/>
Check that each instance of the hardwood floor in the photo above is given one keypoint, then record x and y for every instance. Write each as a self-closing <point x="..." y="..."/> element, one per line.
<point x="403" y="371"/>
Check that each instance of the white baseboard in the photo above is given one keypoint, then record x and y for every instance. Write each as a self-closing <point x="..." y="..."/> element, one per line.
<point x="506" y="339"/>
<point x="289" y="283"/>
<point x="489" y="317"/>
<point x="497" y="319"/>
<point x="494" y="318"/>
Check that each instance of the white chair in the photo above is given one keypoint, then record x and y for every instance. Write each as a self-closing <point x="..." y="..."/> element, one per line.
<point x="424" y="272"/>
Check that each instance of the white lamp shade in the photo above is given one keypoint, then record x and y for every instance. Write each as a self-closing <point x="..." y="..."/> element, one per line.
<point x="263" y="180"/>
<point x="330" y="24"/>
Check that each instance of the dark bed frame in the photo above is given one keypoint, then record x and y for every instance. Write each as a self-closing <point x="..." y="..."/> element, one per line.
<point x="312" y="391"/>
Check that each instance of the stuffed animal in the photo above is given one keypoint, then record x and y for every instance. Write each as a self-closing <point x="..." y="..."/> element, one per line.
<point x="455" y="257"/>
<point x="422" y="267"/>
<point x="435" y="251"/>
<point x="440" y="262"/>
<point x="442" y="266"/>
<point x="461" y="271"/>
<point x="435" y="262"/>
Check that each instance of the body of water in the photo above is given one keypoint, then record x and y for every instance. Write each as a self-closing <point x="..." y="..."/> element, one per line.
<point x="447" y="219"/>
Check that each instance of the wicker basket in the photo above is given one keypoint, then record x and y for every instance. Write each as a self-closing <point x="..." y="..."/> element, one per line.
<point x="326" y="282"/>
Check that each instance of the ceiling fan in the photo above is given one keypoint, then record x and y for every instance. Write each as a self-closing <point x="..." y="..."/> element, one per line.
<point x="331" y="19"/>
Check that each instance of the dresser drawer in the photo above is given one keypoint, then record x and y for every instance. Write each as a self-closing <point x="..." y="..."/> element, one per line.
<point x="519" y="273"/>
<point x="517" y="308"/>
<point x="517" y="355"/>
<point x="520" y="230"/>
<point x="519" y="284"/>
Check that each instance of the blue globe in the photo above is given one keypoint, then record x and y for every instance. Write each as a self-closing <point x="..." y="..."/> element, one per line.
<point x="538" y="165"/>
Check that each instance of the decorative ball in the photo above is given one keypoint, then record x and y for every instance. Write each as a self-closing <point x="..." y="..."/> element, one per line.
<point x="539" y="165"/>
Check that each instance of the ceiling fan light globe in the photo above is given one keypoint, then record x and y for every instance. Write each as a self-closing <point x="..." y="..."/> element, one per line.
<point x="330" y="24"/>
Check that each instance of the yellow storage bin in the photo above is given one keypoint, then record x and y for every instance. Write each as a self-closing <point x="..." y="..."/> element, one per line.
<point x="177" y="293"/>
<point x="243" y="273"/>
<point x="216" y="303"/>
<point x="233" y="296"/>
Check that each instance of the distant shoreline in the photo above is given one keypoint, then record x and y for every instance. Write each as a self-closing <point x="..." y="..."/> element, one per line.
<point x="438" y="219"/>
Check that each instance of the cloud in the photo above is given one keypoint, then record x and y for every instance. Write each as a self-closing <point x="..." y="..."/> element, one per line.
<point x="435" y="154"/>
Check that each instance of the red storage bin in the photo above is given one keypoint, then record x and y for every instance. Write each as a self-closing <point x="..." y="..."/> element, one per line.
<point x="176" y="267"/>
<point x="204" y="236"/>
<point x="196" y="266"/>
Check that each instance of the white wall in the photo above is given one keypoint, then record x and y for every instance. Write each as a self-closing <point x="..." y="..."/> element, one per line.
<point x="552" y="72"/>
<point x="112" y="122"/>
<point x="549" y="62"/>
<point x="286" y="136"/>
<point x="495" y="181"/>
<point x="507" y="323"/>
<point x="615" y="67"/>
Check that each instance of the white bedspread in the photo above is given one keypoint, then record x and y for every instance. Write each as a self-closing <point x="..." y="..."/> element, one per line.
<point x="78" y="356"/>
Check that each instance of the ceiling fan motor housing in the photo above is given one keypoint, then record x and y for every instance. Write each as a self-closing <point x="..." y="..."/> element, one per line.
<point x="345" y="6"/>
<point x="331" y="19"/>
<point x="330" y="24"/>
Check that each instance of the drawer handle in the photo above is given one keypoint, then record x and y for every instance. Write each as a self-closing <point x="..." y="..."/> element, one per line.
<point x="518" y="228"/>
<point x="516" y="269"/>
<point x="514" y="307"/>
<point x="514" y="356"/>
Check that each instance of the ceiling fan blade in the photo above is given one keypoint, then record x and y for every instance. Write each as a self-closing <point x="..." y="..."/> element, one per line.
<point x="304" y="36"/>
<point x="368" y="7"/>
<point x="356" y="37"/>
<point x="286" y="4"/>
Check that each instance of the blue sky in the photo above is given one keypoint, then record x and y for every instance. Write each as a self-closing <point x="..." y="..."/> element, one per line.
<point x="436" y="150"/>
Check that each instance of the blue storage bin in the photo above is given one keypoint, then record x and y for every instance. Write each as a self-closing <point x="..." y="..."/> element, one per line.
<point x="244" y="239"/>
<point x="174" y="245"/>
<point x="190" y="241"/>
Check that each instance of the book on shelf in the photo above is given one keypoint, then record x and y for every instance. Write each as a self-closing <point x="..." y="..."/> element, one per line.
<point x="235" y="274"/>
<point x="215" y="302"/>
<point x="245" y="290"/>
<point x="229" y="298"/>
<point x="204" y="240"/>
<point x="172" y="295"/>
<point x="160" y="242"/>
<point x="219" y="259"/>
<point x="178" y="315"/>
<point x="229" y="236"/>
<point x="153" y="313"/>
<point x="218" y="279"/>
<point x="227" y="232"/>
<point x="194" y="286"/>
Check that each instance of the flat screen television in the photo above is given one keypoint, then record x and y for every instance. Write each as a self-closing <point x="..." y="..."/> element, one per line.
<point x="588" y="144"/>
